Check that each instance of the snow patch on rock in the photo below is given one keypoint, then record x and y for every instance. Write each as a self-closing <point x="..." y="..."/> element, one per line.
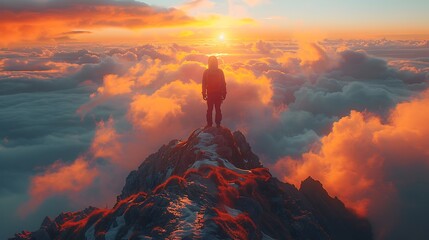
<point x="90" y="233"/>
<point x="204" y="162"/>
<point x="169" y="172"/>
<point x="129" y="233"/>
<point x="189" y="217"/>
<point x="230" y="166"/>
<point x="266" y="237"/>
<point x="233" y="212"/>
<point x="113" y="231"/>
<point x="207" y="149"/>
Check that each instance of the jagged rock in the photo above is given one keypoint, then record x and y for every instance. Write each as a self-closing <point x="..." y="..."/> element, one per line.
<point x="176" y="158"/>
<point x="211" y="186"/>
<point x="332" y="213"/>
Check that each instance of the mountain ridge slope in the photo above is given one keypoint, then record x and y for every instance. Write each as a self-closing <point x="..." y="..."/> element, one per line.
<point x="211" y="186"/>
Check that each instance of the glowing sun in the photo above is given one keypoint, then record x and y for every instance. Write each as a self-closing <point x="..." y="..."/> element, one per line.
<point x="221" y="37"/>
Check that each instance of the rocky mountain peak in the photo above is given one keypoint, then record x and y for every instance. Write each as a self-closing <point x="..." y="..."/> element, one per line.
<point x="210" y="186"/>
<point x="205" y="146"/>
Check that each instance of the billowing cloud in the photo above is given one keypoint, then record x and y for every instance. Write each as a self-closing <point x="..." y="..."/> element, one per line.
<point x="78" y="57"/>
<point x="112" y="106"/>
<point x="106" y="143"/>
<point x="378" y="168"/>
<point x="59" y="179"/>
<point x="150" y="111"/>
<point x="114" y="85"/>
<point x="71" y="179"/>
<point x="26" y="20"/>
<point x="34" y="68"/>
<point x="262" y="47"/>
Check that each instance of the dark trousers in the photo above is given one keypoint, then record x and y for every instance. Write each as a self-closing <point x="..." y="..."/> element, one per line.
<point x="215" y="101"/>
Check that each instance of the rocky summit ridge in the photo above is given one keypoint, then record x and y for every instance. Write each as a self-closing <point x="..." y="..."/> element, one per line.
<point x="211" y="186"/>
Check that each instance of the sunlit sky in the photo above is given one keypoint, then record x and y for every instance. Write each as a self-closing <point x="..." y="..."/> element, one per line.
<point x="25" y="21"/>
<point x="387" y="16"/>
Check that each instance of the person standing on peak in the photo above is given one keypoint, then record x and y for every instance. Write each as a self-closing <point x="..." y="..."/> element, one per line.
<point x="213" y="90"/>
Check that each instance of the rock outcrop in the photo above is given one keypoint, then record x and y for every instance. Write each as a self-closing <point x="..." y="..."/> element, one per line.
<point x="211" y="186"/>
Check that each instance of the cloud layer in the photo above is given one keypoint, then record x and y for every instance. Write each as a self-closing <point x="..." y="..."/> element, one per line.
<point x="25" y="20"/>
<point x="378" y="168"/>
<point x="101" y="111"/>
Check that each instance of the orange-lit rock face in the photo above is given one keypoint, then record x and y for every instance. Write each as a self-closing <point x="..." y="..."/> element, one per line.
<point x="210" y="186"/>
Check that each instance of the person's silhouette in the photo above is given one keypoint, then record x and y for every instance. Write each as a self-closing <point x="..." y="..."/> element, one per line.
<point x="214" y="90"/>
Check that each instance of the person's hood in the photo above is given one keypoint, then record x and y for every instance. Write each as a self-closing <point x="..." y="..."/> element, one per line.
<point x="213" y="63"/>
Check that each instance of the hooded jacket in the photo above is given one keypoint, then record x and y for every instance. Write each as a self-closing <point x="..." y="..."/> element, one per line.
<point x="213" y="80"/>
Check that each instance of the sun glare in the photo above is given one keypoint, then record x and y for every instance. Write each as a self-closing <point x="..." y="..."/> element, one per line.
<point x="222" y="37"/>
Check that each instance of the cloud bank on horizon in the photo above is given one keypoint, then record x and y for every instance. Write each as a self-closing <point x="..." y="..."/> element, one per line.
<point x="25" y="22"/>
<point x="61" y="20"/>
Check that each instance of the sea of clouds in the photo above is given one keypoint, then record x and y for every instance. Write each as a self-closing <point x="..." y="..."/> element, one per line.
<point x="76" y="118"/>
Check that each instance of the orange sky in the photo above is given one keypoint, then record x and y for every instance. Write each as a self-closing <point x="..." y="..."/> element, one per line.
<point x="108" y="21"/>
